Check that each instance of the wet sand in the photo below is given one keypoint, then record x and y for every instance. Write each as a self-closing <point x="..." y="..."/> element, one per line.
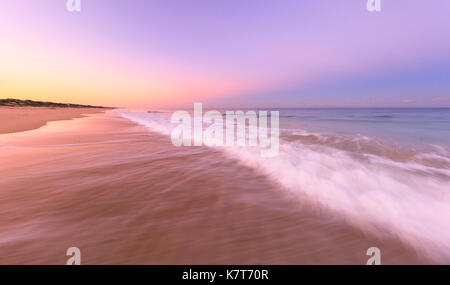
<point x="19" y="119"/>
<point x="124" y="195"/>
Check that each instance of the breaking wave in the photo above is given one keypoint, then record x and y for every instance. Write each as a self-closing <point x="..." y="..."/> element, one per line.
<point x="379" y="187"/>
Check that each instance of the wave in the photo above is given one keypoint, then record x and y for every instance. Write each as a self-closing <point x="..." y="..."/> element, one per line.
<point x="379" y="188"/>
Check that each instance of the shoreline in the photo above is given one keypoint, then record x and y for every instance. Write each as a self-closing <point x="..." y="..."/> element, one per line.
<point x="25" y="118"/>
<point x="205" y="218"/>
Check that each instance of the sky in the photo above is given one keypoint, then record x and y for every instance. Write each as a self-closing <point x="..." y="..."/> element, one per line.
<point x="227" y="53"/>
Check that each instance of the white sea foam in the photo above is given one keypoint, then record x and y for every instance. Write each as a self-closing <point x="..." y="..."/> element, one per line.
<point x="376" y="194"/>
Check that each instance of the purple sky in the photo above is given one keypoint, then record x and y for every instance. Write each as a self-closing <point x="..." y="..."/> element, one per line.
<point x="257" y="53"/>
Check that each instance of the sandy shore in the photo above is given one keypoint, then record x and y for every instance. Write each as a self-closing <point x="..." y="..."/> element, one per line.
<point x="19" y="119"/>
<point x="124" y="195"/>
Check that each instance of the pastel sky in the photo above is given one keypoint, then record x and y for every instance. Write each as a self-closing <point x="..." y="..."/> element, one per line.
<point x="227" y="53"/>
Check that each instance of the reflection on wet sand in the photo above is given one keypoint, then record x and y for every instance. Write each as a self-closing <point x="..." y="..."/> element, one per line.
<point x="124" y="195"/>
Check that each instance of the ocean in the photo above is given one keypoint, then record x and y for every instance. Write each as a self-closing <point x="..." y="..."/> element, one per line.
<point x="386" y="170"/>
<point x="344" y="180"/>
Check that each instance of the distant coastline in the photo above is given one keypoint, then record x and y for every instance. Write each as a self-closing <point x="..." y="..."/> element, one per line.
<point x="24" y="115"/>
<point x="30" y="103"/>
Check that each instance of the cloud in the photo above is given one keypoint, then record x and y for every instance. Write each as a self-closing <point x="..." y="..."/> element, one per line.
<point x="406" y="101"/>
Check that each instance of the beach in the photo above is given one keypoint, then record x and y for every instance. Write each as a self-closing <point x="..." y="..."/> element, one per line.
<point x="18" y="119"/>
<point x="225" y="133"/>
<point x="123" y="194"/>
